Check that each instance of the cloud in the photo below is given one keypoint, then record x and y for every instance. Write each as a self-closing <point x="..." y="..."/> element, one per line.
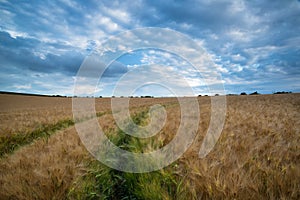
<point x="255" y="42"/>
<point x="20" y="87"/>
<point x="27" y="54"/>
<point x="152" y="75"/>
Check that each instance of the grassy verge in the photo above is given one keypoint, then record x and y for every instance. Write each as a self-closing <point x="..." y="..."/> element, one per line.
<point x="102" y="182"/>
<point x="12" y="142"/>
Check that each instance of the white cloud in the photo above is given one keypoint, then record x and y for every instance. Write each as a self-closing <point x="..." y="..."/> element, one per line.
<point x="234" y="80"/>
<point x="237" y="57"/>
<point x="186" y="26"/>
<point x="260" y="53"/>
<point x="73" y="4"/>
<point x="107" y="23"/>
<point x="236" y="67"/>
<point x="87" y="90"/>
<point x="237" y="6"/>
<point x="118" y="14"/>
<point x="239" y="35"/>
<point x="20" y="87"/>
<point x="195" y="82"/>
<point x="153" y="74"/>
<point x="275" y="69"/>
<point x="15" y="34"/>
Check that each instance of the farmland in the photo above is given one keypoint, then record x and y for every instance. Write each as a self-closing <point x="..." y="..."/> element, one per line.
<point x="256" y="157"/>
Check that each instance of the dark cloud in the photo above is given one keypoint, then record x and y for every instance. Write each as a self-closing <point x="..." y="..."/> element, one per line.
<point x="242" y="24"/>
<point x="93" y="67"/>
<point x="201" y="15"/>
<point x="115" y="69"/>
<point x="27" y="54"/>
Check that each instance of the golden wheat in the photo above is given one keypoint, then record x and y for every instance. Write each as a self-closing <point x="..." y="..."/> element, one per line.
<point x="256" y="157"/>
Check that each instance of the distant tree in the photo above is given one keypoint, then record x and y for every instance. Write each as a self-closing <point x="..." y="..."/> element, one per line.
<point x="216" y="94"/>
<point x="254" y="93"/>
<point x="283" y="92"/>
<point x="199" y="95"/>
<point x="147" y="96"/>
<point x="100" y="96"/>
<point x="243" y="93"/>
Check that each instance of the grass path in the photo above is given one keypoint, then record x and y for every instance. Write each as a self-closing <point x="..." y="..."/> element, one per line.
<point x="11" y="143"/>
<point x="73" y="174"/>
<point x="47" y="167"/>
<point x="44" y="169"/>
<point x="102" y="182"/>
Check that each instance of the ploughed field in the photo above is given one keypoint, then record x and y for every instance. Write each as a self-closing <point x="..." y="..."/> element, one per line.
<point x="256" y="157"/>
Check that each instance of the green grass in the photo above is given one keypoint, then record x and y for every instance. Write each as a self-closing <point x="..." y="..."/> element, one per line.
<point x="11" y="143"/>
<point x="102" y="182"/>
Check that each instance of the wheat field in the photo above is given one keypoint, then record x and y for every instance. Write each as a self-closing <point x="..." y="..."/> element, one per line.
<point x="256" y="157"/>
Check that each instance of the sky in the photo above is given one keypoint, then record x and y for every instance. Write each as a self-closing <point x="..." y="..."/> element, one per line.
<point x="253" y="45"/>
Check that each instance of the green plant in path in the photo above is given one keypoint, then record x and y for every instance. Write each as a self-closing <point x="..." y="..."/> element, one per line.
<point x="102" y="182"/>
<point x="10" y="143"/>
